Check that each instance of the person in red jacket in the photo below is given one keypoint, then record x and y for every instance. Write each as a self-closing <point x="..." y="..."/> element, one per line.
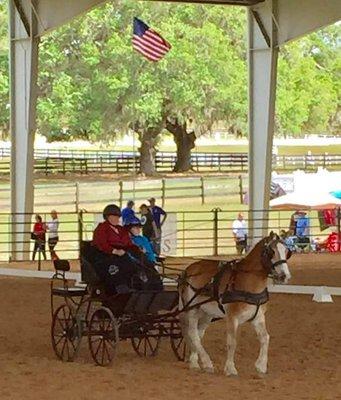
<point x="116" y="256"/>
<point x="39" y="231"/>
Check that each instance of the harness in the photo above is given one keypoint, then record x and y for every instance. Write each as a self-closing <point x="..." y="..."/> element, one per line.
<point x="230" y="294"/>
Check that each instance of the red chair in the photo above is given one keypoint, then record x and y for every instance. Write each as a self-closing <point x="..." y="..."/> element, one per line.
<point x="333" y="242"/>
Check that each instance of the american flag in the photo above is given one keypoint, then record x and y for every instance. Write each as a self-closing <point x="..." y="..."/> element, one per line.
<point x="148" y="42"/>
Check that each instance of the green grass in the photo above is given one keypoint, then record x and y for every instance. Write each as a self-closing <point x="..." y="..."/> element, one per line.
<point x="301" y="150"/>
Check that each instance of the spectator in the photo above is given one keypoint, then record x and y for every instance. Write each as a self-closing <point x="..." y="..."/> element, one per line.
<point x="302" y="231"/>
<point x="52" y="228"/>
<point x="302" y="225"/>
<point x="149" y="228"/>
<point x="128" y="213"/>
<point x="38" y="234"/>
<point x="157" y="213"/>
<point x="293" y="222"/>
<point x="239" y="230"/>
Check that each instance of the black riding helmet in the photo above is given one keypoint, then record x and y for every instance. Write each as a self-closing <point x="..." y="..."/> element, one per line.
<point x="111" y="209"/>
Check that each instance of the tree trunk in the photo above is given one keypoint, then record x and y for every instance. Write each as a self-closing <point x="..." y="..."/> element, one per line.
<point x="147" y="150"/>
<point x="185" y="142"/>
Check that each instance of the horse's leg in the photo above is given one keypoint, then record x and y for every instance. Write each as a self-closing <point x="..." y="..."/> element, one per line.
<point x="231" y="339"/>
<point x="195" y="338"/>
<point x="204" y="321"/>
<point x="183" y="319"/>
<point x="263" y="337"/>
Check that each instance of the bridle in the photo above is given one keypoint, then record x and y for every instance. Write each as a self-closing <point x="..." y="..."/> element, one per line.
<point x="267" y="255"/>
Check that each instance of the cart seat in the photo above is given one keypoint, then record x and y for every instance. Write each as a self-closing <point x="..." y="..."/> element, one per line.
<point x="69" y="292"/>
<point x="61" y="265"/>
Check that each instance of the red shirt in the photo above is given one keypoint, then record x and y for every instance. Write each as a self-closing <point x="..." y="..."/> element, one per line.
<point x="39" y="230"/>
<point x="108" y="237"/>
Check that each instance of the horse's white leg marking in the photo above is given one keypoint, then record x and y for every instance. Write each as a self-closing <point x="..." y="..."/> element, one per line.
<point x="204" y="321"/>
<point x="193" y="332"/>
<point x="231" y="340"/>
<point x="192" y="322"/>
<point x="259" y="324"/>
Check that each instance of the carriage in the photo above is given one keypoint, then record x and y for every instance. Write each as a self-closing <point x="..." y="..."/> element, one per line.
<point x="143" y="317"/>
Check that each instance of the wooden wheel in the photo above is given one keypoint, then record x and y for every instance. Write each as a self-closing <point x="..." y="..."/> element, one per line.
<point x="178" y="342"/>
<point x="65" y="334"/>
<point x="103" y="336"/>
<point x="146" y="341"/>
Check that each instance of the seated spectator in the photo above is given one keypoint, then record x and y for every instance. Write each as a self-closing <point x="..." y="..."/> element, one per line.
<point x="302" y="231"/>
<point x="288" y="240"/>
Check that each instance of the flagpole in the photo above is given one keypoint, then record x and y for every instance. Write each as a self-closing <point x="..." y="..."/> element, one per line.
<point x="134" y="166"/>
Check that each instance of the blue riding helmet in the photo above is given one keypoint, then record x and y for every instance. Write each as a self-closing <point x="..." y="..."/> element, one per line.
<point x="134" y="221"/>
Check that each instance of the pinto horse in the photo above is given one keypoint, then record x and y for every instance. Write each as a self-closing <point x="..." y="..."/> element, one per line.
<point x="236" y="291"/>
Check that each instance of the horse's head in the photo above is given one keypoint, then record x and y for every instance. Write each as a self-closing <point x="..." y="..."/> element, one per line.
<point x="274" y="258"/>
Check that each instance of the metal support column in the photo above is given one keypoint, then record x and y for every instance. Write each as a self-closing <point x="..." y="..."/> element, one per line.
<point x="262" y="57"/>
<point x="23" y="89"/>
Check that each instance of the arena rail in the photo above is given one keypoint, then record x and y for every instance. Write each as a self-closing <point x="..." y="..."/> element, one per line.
<point x="185" y="234"/>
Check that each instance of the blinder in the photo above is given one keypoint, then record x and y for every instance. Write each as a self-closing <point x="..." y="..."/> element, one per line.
<point x="267" y="256"/>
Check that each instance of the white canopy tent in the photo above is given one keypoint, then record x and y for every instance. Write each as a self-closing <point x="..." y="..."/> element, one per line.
<point x="305" y="201"/>
<point x="272" y="23"/>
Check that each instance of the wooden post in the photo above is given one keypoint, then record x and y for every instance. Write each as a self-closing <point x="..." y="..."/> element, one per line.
<point x="241" y="189"/>
<point x="77" y="197"/>
<point x="46" y="165"/>
<point x="215" y="230"/>
<point x="80" y="231"/>
<point x="163" y="192"/>
<point x="202" y="186"/>
<point x="120" y="184"/>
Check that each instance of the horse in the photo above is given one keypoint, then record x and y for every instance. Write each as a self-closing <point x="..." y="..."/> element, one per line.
<point x="233" y="290"/>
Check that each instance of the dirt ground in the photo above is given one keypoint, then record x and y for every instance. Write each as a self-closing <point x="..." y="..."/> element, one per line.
<point x="304" y="355"/>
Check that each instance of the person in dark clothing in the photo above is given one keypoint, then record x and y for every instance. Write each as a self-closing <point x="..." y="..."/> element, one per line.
<point x="159" y="215"/>
<point x="115" y="254"/>
<point x="149" y="228"/>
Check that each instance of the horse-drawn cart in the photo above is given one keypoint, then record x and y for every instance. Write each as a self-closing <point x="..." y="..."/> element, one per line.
<point x="142" y="317"/>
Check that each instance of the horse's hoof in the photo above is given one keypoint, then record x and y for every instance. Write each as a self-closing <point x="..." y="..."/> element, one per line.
<point x="231" y="372"/>
<point x="209" y="370"/>
<point x="194" y="367"/>
<point x="261" y="370"/>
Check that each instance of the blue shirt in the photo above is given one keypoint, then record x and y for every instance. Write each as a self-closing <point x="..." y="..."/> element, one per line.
<point x="127" y="215"/>
<point x="157" y="212"/>
<point x="302" y="225"/>
<point x="144" y="243"/>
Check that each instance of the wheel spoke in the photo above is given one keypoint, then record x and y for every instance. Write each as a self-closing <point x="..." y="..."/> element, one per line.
<point x="98" y="347"/>
<point x="63" y="348"/>
<point x="59" y="340"/>
<point x="149" y="343"/>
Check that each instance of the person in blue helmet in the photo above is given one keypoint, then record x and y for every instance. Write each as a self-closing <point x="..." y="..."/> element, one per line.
<point x="148" y="258"/>
<point x="135" y="229"/>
